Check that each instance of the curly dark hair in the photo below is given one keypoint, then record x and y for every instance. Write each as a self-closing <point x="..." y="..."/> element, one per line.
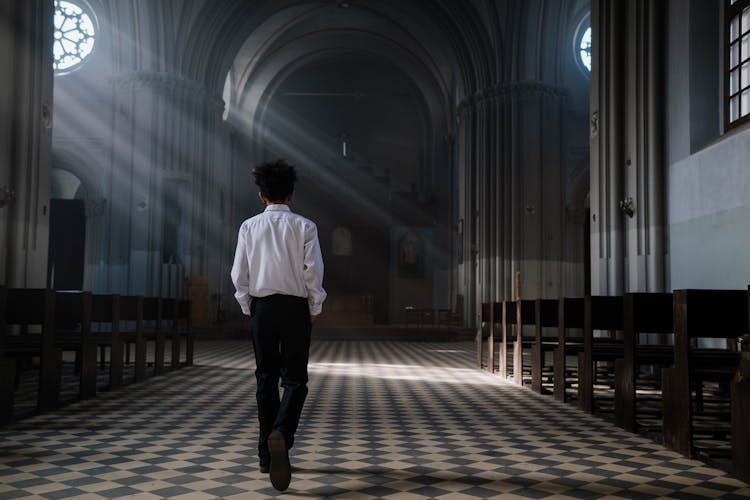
<point x="275" y="179"/>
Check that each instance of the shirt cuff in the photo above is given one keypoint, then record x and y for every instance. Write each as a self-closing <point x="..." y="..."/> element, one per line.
<point x="244" y="300"/>
<point x="315" y="309"/>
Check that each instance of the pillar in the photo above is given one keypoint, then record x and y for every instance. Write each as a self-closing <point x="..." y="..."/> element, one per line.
<point x="26" y="31"/>
<point x="627" y="143"/>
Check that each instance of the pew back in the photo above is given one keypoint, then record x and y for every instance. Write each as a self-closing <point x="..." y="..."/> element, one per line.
<point x="30" y="306"/>
<point x="73" y="331"/>
<point x="570" y="315"/>
<point x="698" y="314"/>
<point x="546" y="313"/>
<point x="600" y="312"/>
<point x="643" y="313"/>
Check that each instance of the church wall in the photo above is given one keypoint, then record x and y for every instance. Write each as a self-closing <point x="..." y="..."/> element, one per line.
<point x="148" y="141"/>
<point x="523" y="159"/>
<point x="708" y="181"/>
<point x="709" y="216"/>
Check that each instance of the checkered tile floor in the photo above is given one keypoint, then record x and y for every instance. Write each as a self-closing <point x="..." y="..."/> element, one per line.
<point x="383" y="420"/>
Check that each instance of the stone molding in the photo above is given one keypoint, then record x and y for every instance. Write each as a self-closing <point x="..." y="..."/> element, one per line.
<point x="167" y="83"/>
<point x="505" y="92"/>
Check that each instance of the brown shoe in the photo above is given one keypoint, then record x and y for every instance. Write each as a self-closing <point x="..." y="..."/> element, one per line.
<point x="281" y="471"/>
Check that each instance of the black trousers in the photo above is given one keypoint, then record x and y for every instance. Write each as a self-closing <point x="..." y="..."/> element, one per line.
<point x="280" y="327"/>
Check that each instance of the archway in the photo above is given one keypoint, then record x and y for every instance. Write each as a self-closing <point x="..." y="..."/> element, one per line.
<point x="67" y="233"/>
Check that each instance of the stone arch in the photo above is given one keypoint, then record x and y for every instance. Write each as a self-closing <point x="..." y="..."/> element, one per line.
<point x="454" y="38"/>
<point x="82" y="163"/>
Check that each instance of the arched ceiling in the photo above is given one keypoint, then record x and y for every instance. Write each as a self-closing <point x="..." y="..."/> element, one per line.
<point x="442" y="44"/>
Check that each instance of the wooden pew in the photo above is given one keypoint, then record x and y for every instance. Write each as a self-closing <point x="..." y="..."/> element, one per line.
<point x="524" y="316"/>
<point x="170" y="313"/>
<point x="498" y="310"/>
<point x="741" y="409"/>
<point x="131" y="309"/>
<point x="599" y="313"/>
<point x="642" y="313"/>
<point x="740" y="394"/>
<point x="73" y="333"/>
<point x="740" y="432"/>
<point x="152" y="311"/>
<point x="545" y="316"/>
<point x="570" y="315"/>
<point x="484" y="318"/>
<point x="105" y="310"/>
<point x="25" y="308"/>
<point x="505" y="312"/>
<point x="7" y="366"/>
<point x="492" y="314"/>
<point x="184" y="326"/>
<point x="721" y="314"/>
<point x="490" y="319"/>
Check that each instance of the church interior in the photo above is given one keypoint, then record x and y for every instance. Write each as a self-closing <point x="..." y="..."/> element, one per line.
<point x="534" y="217"/>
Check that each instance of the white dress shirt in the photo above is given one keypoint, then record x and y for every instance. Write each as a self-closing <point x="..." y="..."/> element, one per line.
<point x="278" y="253"/>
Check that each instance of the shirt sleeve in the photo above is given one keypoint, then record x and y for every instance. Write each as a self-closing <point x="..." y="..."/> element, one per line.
<point x="313" y="270"/>
<point x="241" y="273"/>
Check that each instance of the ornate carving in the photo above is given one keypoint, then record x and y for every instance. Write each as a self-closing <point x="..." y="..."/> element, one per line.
<point x="594" y="124"/>
<point x="7" y="195"/>
<point x="46" y="115"/>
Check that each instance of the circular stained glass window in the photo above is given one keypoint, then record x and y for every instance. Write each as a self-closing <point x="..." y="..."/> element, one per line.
<point x="584" y="48"/>
<point x="73" y="38"/>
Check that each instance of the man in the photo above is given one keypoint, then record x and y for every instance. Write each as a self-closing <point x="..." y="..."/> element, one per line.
<point x="278" y="275"/>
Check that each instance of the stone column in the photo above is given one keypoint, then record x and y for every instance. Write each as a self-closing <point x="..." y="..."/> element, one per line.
<point x="627" y="166"/>
<point x="26" y="31"/>
<point x="169" y="170"/>
<point x="467" y="207"/>
<point x="515" y="185"/>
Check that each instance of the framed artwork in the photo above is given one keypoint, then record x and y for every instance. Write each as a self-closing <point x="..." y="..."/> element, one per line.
<point x="411" y="256"/>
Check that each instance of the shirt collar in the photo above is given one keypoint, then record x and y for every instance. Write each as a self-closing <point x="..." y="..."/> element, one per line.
<point x="277" y="207"/>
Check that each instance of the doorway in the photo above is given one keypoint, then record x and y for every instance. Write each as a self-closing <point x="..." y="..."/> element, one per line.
<point x="67" y="232"/>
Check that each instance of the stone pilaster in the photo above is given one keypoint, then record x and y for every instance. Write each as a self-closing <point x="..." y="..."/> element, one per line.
<point x="513" y="154"/>
<point x="627" y="170"/>
<point x="25" y="140"/>
<point x="168" y="147"/>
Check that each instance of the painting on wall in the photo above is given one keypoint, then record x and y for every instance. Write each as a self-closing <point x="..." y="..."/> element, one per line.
<point x="341" y="241"/>
<point x="411" y="256"/>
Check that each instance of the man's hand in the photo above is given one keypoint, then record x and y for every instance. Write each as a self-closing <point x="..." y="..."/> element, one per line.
<point x="313" y="318"/>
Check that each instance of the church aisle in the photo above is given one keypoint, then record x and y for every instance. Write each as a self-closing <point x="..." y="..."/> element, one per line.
<point x="405" y="420"/>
